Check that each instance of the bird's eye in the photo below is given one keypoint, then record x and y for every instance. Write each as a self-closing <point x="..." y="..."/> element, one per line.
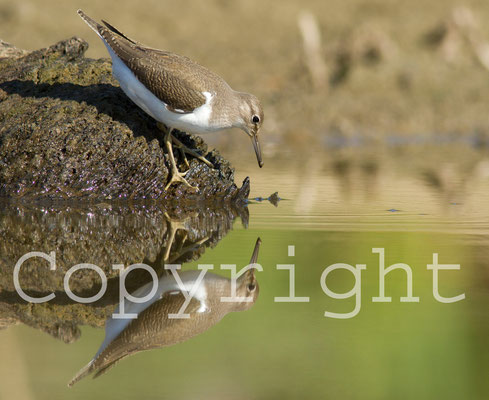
<point x="251" y="287"/>
<point x="256" y="119"/>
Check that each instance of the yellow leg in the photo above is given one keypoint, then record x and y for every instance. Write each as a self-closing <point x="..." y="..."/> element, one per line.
<point x="181" y="248"/>
<point x="184" y="149"/>
<point x="188" y="150"/>
<point x="176" y="176"/>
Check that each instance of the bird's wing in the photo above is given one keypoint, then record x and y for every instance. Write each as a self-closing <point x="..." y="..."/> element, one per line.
<point x="152" y="329"/>
<point x="174" y="79"/>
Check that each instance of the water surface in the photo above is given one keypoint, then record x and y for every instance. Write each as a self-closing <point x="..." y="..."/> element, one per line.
<point x="333" y="211"/>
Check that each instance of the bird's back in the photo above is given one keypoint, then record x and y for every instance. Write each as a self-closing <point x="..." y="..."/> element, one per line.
<point x="175" y="79"/>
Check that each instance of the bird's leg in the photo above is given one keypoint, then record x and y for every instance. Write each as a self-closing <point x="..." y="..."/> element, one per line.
<point x="188" y="150"/>
<point x="176" y="176"/>
<point x="188" y="248"/>
<point x="182" y="153"/>
<point x="173" y="226"/>
<point x="184" y="149"/>
<point x="171" y="237"/>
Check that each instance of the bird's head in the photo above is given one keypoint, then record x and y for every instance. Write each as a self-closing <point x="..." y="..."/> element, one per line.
<point x="251" y="119"/>
<point x="247" y="288"/>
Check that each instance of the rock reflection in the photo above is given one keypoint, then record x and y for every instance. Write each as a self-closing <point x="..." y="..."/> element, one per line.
<point x="198" y="297"/>
<point x="101" y="234"/>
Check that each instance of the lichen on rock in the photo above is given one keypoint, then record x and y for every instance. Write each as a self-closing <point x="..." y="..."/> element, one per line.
<point x="67" y="131"/>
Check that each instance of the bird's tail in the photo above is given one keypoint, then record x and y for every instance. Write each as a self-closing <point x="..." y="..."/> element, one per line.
<point x="82" y="373"/>
<point x="90" y="22"/>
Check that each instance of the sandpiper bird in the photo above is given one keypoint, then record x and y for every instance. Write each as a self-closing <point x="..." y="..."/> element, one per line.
<point x="178" y="93"/>
<point x="153" y="328"/>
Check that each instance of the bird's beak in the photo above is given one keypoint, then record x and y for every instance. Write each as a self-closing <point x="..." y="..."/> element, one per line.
<point x="250" y="274"/>
<point x="256" y="146"/>
<point x="254" y="256"/>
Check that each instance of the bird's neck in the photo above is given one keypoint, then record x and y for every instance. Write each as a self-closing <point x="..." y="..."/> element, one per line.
<point x="227" y="110"/>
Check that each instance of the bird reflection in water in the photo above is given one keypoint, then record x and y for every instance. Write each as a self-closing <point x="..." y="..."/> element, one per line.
<point x="153" y="328"/>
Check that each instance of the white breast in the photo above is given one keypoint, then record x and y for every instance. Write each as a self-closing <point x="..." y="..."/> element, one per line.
<point x="197" y="121"/>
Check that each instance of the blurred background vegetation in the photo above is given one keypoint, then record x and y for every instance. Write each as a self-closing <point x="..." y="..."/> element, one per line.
<point x="336" y="70"/>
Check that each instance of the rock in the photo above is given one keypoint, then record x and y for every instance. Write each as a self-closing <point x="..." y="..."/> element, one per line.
<point x="7" y="50"/>
<point x="67" y="131"/>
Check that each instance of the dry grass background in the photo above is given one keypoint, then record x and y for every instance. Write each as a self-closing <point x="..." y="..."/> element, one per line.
<point x="381" y="77"/>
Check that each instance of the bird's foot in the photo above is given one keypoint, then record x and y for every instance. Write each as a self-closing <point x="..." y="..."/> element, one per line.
<point x="178" y="177"/>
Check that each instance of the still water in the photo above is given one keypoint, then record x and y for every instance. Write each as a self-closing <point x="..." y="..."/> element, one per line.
<point x="340" y="211"/>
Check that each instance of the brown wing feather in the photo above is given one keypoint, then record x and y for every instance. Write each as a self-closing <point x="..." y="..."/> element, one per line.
<point x="175" y="80"/>
<point x="172" y="78"/>
<point x="115" y="30"/>
<point x="152" y="329"/>
<point x="169" y="78"/>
